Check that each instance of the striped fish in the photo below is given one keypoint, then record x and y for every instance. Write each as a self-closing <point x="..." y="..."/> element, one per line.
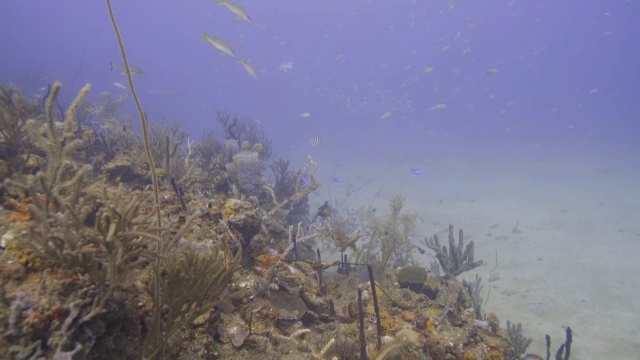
<point x="315" y="141"/>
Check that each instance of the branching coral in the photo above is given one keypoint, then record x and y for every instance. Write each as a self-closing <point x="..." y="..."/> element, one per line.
<point x="473" y="289"/>
<point x="166" y="140"/>
<point x="186" y="285"/>
<point x="14" y="113"/>
<point x="519" y="342"/>
<point x="455" y="261"/>
<point x="240" y="130"/>
<point x="207" y="152"/>
<point x="390" y="236"/>
<point x="62" y="176"/>
<point x="102" y="240"/>
<point x="305" y="184"/>
<point x="284" y="184"/>
<point x="107" y="252"/>
<point x="336" y="229"/>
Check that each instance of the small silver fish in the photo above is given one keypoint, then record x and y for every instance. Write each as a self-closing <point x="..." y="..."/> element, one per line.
<point x="250" y="70"/>
<point x="218" y="44"/>
<point x="315" y="141"/>
<point x="416" y="171"/>
<point x="438" y="107"/>
<point x="237" y="10"/>
<point x="385" y="115"/>
<point x="285" y="67"/>
<point x="134" y="70"/>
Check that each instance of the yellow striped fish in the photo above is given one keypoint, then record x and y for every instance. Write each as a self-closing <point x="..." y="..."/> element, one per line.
<point x="236" y="10"/>
<point x="250" y="70"/>
<point x="219" y="44"/>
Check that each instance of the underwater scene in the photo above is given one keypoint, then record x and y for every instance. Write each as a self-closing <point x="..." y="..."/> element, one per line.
<point x="291" y="179"/>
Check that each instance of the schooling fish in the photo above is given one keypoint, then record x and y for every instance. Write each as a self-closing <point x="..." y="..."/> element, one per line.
<point x="236" y="10"/>
<point x="416" y="171"/>
<point x="315" y="141"/>
<point x="250" y="70"/>
<point x="219" y="44"/>
<point x="134" y="70"/>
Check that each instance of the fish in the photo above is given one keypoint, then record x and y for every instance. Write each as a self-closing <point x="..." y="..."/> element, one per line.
<point x="219" y="44"/>
<point x="305" y="115"/>
<point x="134" y="70"/>
<point x="250" y="70"/>
<point x="236" y="10"/>
<point x="120" y="85"/>
<point x="491" y="71"/>
<point x="593" y="91"/>
<point x="385" y="115"/>
<point x="335" y="179"/>
<point x="315" y="141"/>
<point x="415" y="171"/>
<point x="285" y="67"/>
<point x="427" y="70"/>
<point x="438" y="107"/>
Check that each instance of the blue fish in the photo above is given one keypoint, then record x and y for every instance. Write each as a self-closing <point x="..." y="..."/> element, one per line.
<point x="416" y="171"/>
<point x="304" y="181"/>
<point x="335" y="179"/>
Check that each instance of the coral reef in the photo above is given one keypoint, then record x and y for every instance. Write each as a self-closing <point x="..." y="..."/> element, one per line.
<point x="223" y="265"/>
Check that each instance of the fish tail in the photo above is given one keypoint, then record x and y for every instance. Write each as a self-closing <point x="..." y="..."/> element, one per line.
<point x="206" y="36"/>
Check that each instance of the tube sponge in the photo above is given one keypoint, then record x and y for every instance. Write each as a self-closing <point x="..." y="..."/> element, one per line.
<point x="250" y="169"/>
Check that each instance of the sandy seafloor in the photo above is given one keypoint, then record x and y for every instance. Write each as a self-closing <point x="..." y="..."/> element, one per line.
<point x="576" y="258"/>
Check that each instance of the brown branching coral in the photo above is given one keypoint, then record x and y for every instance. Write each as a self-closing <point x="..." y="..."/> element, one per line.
<point x="62" y="176"/>
<point x="207" y="152"/>
<point x="455" y="261"/>
<point x="14" y="113"/>
<point x="284" y="184"/>
<point x="519" y="342"/>
<point x="305" y="184"/>
<point x="107" y="252"/>
<point x="187" y="283"/>
<point x="73" y="229"/>
<point x="336" y="229"/>
<point x="241" y="130"/>
<point x="390" y="236"/>
<point x="166" y="140"/>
